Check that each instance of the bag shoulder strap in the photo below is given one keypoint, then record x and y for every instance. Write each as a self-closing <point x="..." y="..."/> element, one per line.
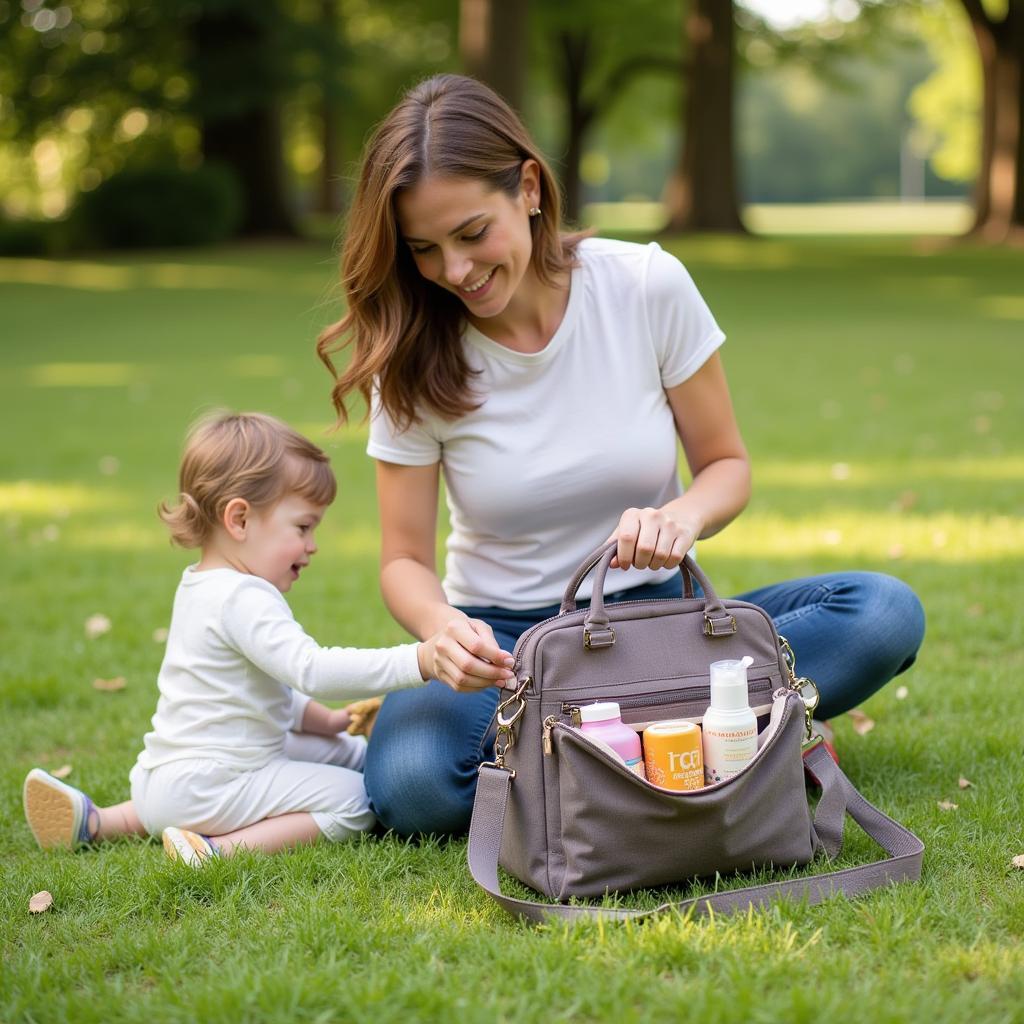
<point x="839" y="797"/>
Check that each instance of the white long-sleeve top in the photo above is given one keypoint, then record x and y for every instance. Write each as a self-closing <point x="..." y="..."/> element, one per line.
<point x="239" y="671"/>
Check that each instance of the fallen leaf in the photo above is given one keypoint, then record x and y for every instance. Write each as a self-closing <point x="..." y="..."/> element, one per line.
<point x="109" y="685"/>
<point x="906" y="501"/>
<point x="62" y="772"/>
<point x="96" y="625"/>
<point x="975" y="611"/>
<point x="902" y="693"/>
<point x="895" y="551"/>
<point x="109" y="465"/>
<point x="982" y="424"/>
<point x="862" y="724"/>
<point x="41" y="902"/>
<point x="160" y="635"/>
<point x="947" y="805"/>
<point x="1018" y="861"/>
<point x="964" y="783"/>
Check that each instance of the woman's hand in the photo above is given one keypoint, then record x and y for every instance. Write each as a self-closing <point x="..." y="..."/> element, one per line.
<point x="465" y="656"/>
<point x="650" y="538"/>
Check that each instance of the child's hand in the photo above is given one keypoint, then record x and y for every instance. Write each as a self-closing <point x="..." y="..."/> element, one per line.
<point x="339" y="720"/>
<point x="363" y="714"/>
<point x="465" y="656"/>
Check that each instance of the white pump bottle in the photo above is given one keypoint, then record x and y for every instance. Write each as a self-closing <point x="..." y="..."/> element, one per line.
<point x="729" y="726"/>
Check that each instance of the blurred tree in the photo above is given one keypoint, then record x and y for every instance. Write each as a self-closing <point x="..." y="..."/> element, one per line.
<point x="80" y="89"/>
<point x="804" y="138"/>
<point x="89" y="88"/>
<point x="492" y="42"/>
<point x="999" y="189"/>
<point x="236" y="56"/>
<point x="945" y="105"/>
<point x="701" y="194"/>
<point x="332" y="54"/>
<point x="592" y="55"/>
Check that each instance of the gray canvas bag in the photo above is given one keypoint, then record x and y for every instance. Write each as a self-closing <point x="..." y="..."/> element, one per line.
<point x="569" y="820"/>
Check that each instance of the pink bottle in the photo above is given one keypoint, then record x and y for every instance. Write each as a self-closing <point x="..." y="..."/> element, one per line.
<point x="603" y="722"/>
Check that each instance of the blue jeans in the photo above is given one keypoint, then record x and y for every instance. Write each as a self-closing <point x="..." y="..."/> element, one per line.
<point x="851" y="632"/>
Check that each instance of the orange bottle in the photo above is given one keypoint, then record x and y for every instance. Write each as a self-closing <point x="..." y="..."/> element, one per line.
<point x="673" y="757"/>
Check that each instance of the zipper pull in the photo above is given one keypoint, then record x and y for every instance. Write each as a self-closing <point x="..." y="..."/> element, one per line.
<point x="549" y="724"/>
<point x="573" y="711"/>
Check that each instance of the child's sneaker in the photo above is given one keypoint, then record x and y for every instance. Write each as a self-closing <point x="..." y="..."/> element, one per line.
<point x="189" y="847"/>
<point x="57" y="814"/>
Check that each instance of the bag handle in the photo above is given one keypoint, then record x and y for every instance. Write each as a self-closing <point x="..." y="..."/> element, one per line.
<point x="596" y="627"/>
<point x="839" y="797"/>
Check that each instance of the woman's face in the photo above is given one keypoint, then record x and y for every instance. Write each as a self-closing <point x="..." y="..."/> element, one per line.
<point x="470" y="240"/>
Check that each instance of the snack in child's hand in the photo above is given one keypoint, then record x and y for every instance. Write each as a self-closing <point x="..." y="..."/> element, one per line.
<point x="363" y="714"/>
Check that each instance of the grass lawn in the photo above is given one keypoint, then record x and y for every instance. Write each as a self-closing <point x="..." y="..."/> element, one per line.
<point x="879" y="387"/>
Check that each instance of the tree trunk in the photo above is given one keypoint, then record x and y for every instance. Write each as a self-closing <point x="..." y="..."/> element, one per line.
<point x="575" y="48"/>
<point x="492" y="43"/>
<point x="701" y="194"/>
<point x="329" y="198"/>
<point x="999" y="189"/>
<point x="240" y="122"/>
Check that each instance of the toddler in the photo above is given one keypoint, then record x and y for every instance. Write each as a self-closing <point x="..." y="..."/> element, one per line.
<point x="239" y="754"/>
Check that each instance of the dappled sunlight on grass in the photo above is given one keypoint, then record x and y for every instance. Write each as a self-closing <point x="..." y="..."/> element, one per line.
<point x="117" y="277"/>
<point x="727" y="251"/>
<point x="801" y="473"/>
<point x="83" y="375"/>
<point x="348" y="540"/>
<point x="115" y="535"/>
<point x="1002" y="307"/>
<point x="47" y="498"/>
<point x="251" y="366"/>
<point x="257" y="366"/>
<point x="323" y="432"/>
<point x="878" y="536"/>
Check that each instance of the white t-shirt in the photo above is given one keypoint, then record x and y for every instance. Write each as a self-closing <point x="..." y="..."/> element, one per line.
<point x="234" y="654"/>
<point x="567" y="438"/>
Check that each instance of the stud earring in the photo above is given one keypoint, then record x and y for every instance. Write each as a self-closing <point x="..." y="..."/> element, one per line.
<point x="534" y="211"/>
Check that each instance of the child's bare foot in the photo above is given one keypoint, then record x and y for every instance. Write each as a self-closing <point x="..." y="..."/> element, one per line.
<point x="58" y="814"/>
<point x="189" y="847"/>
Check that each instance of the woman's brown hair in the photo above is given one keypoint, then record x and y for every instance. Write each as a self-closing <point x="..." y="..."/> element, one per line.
<point x="404" y="331"/>
<point x="242" y="455"/>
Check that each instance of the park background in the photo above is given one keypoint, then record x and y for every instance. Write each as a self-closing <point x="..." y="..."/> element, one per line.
<point x="844" y="181"/>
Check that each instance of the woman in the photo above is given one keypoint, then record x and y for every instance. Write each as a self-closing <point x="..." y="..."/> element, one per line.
<point x="549" y="376"/>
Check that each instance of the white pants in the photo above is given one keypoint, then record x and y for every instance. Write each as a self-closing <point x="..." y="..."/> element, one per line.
<point x="321" y="775"/>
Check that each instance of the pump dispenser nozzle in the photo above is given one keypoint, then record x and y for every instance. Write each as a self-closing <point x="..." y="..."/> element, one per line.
<point x="729" y="684"/>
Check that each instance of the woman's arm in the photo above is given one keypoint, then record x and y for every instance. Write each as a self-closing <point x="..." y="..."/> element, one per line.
<point x="659" y="538"/>
<point x="466" y="655"/>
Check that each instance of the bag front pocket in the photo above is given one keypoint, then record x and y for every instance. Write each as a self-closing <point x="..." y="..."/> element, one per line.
<point x="690" y="702"/>
<point x="619" y="832"/>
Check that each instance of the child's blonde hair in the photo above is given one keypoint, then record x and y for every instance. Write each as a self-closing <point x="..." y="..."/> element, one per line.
<point x="242" y="455"/>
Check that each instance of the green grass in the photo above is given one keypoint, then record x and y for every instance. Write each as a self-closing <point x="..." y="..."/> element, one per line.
<point x="879" y="387"/>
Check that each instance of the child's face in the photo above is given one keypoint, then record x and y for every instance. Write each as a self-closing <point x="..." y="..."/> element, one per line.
<point x="279" y="541"/>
